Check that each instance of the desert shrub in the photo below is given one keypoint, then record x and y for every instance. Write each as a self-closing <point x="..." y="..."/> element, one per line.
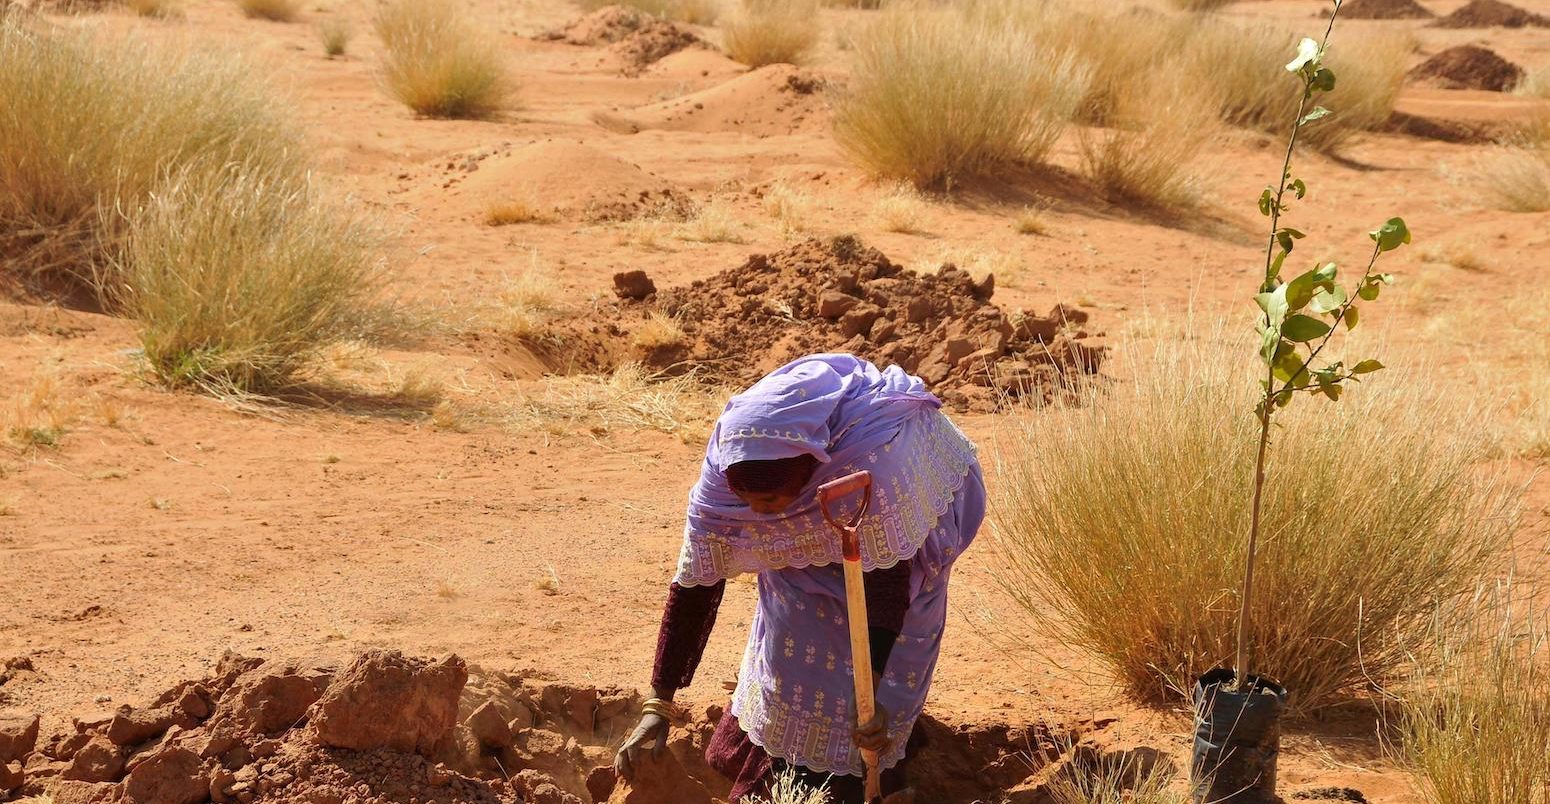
<point x="1514" y="174"/>
<point x="335" y="35"/>
<point x="1247" y="65"/>
<point x="1157" y="129"/>
<point x="1121" y="525"/>
<point x="277" y="10"/>
<point x="771" y="31"/>
<point x="137" y="111"/>
<point x="438" y="63"/>
<point x="938" y="96"/>
<point x="239" y="278"/>
<point x="1476" y="723"/>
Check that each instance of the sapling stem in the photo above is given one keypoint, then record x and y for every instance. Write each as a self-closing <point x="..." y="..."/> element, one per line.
<point x="1267" y="405"/>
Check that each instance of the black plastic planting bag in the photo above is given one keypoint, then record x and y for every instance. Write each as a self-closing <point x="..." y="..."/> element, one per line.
<point x="1237" y="739"/>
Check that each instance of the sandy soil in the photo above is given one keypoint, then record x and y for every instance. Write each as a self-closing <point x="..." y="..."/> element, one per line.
<point x="167" y="527"/>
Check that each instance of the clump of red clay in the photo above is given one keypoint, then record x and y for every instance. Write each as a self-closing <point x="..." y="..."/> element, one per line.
<point x="838" y="295"/>
<point x="1385" y="10"/>
<point x="634" y="39"/>
<point x="1468" y="67"/>
<point x="1491" y="14"/>
<point x="392" y="729"/>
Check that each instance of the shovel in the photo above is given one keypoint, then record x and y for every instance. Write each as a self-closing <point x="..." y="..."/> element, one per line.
<point x="855" y="607"/>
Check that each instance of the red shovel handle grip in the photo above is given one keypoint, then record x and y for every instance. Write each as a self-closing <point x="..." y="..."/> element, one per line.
<point x="840" y="487"/>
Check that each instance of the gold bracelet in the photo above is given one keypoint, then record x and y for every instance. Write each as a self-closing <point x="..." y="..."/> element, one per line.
<point x="662" y="708"/>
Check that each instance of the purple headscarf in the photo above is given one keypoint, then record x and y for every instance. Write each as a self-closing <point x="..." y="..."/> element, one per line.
<point x="844" y="412"/>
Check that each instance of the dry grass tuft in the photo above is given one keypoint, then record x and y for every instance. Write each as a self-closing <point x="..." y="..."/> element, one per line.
<point x="439" y="64"/>
<point x="902" y="209"/>
<point x="631" y="398"/>
<point x="792" y="206"/>
<point x="39" y="415"/>
<point x="657" y="332"/>
<point x="522" y="209"/>
<point x="1535" y="83"/>
<point x="529" y="301"/>
<point x="1476" y="722"/>
<point x="276" y="10"/>
<point x="1114" y="779"/>
<point x="1121" y="523"/>
<point x="1158" y="128"/>
<point x="941" y="96"/>
<point x="241" y="279"/>
<point x="1032" y="220"/>
<point x="771" y="31"/>
<point x="1201" y="5"/>
<point x="712" y="223"/>
<point x="788" y="790"/>
<point x="1515" y="174"/>
<point x="335" y="35"/>
<point x="1247" y="64"/>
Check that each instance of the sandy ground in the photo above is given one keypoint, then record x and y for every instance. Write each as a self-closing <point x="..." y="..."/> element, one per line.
<point x="169" y="527"/>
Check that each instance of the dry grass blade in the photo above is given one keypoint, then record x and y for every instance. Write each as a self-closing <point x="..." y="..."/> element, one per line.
<point x="439" y="64"/>
<point x="156" y="9"/>
<point x="1120" y="525"/>
<point x="1117" y="779"/>
<point x="529" y="300"/>
<point x="787" y="789"/>
<point x="940" y="96"/>
<point x="771" y="32"/>
<point x="1476" y="721"/>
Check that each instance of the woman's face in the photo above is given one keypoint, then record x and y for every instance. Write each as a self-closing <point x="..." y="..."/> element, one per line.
<point x="768" y="502"/>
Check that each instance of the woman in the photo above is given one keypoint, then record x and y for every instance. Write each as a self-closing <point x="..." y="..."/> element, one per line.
<point x="754" y="509"/>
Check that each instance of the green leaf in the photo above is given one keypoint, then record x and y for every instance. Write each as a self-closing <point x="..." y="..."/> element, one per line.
<point x="1318" y="113"/>
<point x="1330" y="388"/>
<point x="1302" y="328"/>
<point x="1366" y="367"/>
<point x="1299" y="187"/>
<point x="1387" y="279"/>
<point x="1288" y="366"/>
<point x="1299" y="291"/>
<point x="1275" y="264"/>
<point x="1274" y="305"/>
<point x="1368" y="291"/>
<point x="1323" y="81"/>
<point x="1328" y="300"/>
<point x="1391" y="235"/>
<point x="1269" y="342"/>
<point x="1266" y="200"/>
<point x="1286" y="240"/>
<point x="1350" y="318"/>
<point x="1307" y="53"/>
<point x="1325" y="272"/>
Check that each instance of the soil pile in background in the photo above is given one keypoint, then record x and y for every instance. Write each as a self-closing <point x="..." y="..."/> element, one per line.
<point x="838" y="295"/>
<point x="1468" y="67"/>
<point x="391" y="729"/>
<point x="773" y="100"/>
<point x="635" y="40"/>
<point x="1385" y="10"/>
<point x="1491" y="14"/>
<point x="567" y="179"/>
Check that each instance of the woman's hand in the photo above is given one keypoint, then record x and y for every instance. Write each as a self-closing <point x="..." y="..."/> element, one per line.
<point x="652" y="729"/>
<point x="873" y="734"/>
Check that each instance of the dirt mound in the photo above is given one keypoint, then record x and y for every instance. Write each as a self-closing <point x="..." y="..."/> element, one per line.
<point x="1385" y="10"/>
<point x="1468" y="67"/>
<point x="1491" y="14"/>
<point x="635" y="40"/>
<point x="778" y="99"/>
<point x="696" y="63"/>
<point x="604" y="26"/>
<point x="568" y="179"/>
<point x="473" y="737"/>
<point x="839" y="295"/>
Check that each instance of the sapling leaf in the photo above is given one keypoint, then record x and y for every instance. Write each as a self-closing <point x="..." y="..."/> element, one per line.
<point x="1366" y="367"/>
<point x="1276" y="263"/>
<point x="1302" y="328"/>
<point x="1299" y="187"/>
<point x="1368" y="291"/>
<point x="1388" y="279"/>
<point x="1391" y="235"/>
<point x="1266" y="200"/>
<point x="1328" y="300"/>
<point x="1326" y="272"/>
<point x="1350" y="318"/>
<point x="1330" y="388"/>
<point x="1323" y="81"/>
<point x="1288" y="366"/>
<point x="1318" y="113"/>
<point x="1307" y="53"/>
<point x="1286" y="237"/>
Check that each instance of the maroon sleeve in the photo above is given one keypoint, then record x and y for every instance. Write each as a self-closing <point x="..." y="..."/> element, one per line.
<point x="687" y="621"/>
<point x="887" y="601"/>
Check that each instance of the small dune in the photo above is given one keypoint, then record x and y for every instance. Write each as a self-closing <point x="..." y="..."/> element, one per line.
<point x="563" y="178"/>
<point x="776" y="100"/>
